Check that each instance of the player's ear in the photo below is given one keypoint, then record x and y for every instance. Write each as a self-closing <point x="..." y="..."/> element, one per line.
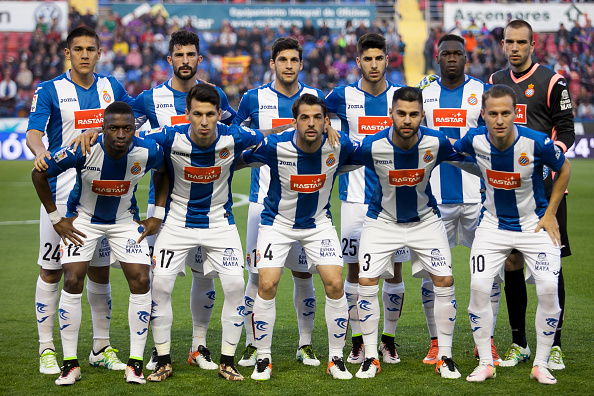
<point x="301" y="65"/>
<point x="67" y="53"/>
<point x="169" y="60"/>
<point x="483" y="113"/>
<point x="294" y="123"/>
<point x="272" y="64"/>
<point x="390" y="112"/>
<point x="187" y="115"/>
<point x="358" y="62"/>
<point x="99" y="53"/>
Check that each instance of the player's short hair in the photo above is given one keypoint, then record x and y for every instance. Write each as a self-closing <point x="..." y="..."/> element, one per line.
<point x="499" y="91"/>
<point x="517" y="24"/>
<point x="310" y="100"/>
<point x="285" y="43"/>
<point x="118" y="107"/>
<point x="81" y="31"/>
<point x="183" y="37"/>
<point x="203" y="92"/>
<point x="371" y="40"/>
<point x="408" y="94"/>
<point x="450" y="37"/>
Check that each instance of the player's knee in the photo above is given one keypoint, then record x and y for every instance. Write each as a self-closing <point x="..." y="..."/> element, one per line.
<point x="50" y="276"/>
<point x="443" y="281"/>
<point x="353" y="272"/>
<point x="139" y="283"/>
<point x="546" y="288"/>
<point x="267" y="288"/>
<point x="73" y="283"/>
<point x="98" y="274"/>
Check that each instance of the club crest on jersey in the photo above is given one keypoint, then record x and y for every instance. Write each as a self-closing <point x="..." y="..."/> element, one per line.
<point x="106" y="97"/>
<point x="472" y="100"/>
<point x="248" y="260"/>
<point x="202" y="175"/>
<point x="523" y="160"/>
<point x="504" y="180"/>
<point x="406" y="177"/>
<point x="154" y="261"/>
<point x="428" y="157"/>
<point x="437" y="259"/>
<point x="330" y="160"/>
<point x="542" y="262"/>
<point x="530" y="91"/>
<point x="258" y="257"/>
<point x="135" y="168"/>
<point x="229" y="258"/>
<point x="369" y="125"/>
<point x="454" y="118"/>
<point x="224" y="153"/>
<point x="307" y="183"/>
<point x="110" y="188"/>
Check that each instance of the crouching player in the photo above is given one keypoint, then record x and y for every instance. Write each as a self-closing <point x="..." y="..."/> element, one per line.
<point x="303" y="166"/>
<point x="102" y="203"/>
<point x="515" y="215"/>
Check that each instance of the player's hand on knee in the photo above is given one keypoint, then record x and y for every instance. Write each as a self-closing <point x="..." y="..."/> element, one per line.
<point x="68" y="232"/>
<point x="150" y="227"/>
<point x="85" y="140"/>
<point x="40" y="163"/>
<point x="550" y="225"/>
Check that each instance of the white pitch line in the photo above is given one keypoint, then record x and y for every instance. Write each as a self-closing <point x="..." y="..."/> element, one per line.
<point x="238" y="200"/>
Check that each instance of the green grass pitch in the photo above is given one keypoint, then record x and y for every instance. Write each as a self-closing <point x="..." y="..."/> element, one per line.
<point x="19" y="346"/>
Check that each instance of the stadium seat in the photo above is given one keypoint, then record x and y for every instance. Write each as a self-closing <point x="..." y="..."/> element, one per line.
<point x="26" y="39"/>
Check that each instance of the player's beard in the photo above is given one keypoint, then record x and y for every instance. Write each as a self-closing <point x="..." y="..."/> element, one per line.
<point x="185" y="77"/>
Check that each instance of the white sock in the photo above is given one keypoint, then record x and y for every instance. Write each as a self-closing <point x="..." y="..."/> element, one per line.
<point x="264" y="316"/>
<point x="428" y="298"/>
<point x="481" y="317"/>
<point x="202" y="297"/>
<point x="351" y="291"/>
<point x="392" y="298"/>
<point x="46" y="301"/>
<point x="162" y="313"/>
<point x="369" y="315"/>
<point x="99" y="296"/>
<point x="139" y="314"/>
<point x="251" y="291"/>
<point x="337" y="317"/>
<point x="495" y="297"/>
<point x="547" y="318"/>
<point x="69" y="315"/>
<point x="304" y="299"/>
<point x="445" y="318"/>
<point x="233" y="311"/>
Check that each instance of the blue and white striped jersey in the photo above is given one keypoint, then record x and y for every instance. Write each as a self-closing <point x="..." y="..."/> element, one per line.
<point x="361" y="114"/>
<point x="201" y="177"/>
<point x="104" y="189"/>
<point x="300" y="183"/>
<point x="163" y="105"/>
<point x="403" y="193"/>
<point x="265" y="108"/>
<point x="63" y="109"/>
<point x="454" y="112"/>
<point x="515" y="197"/>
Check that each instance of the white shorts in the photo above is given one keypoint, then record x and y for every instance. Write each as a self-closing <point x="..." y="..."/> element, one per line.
<point x="296" y="259"/>
<point x="426" y="240"/>
<point x="460" y="221"/>
<point x="321" y="246"/>
<point x="49" y="244"/>
<point x="194" y="259"/>
<point x="352" y="217"/>
<point x="122" y="239"/>
<point x="492" y="246"/>
<point x="220" y="246"/>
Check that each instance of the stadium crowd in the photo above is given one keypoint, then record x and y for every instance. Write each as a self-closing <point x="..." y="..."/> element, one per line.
<point x="136" y="55"/>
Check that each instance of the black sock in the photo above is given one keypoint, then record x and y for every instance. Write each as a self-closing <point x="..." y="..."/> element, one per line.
<point x="226" y="359"/>
<point x="516" y="299"/>
<point x="557" y="340"/>
<point x="164" y="359"/>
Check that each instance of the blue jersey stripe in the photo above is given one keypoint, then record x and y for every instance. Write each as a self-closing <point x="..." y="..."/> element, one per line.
<point x="307" y="203"/>
<point x="406" y="194"/>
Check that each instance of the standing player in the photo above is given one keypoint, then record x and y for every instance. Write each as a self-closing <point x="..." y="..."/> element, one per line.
<point x="363" y="108"/>
<point x="166" y="105"/>
<point x="543" y="105"/>
<point x="102" y="204"/>
<point x="303" y="166"/>
<point x="200" y="158"/>
<point x="263" y="108"/>
<point x="403" y="212"/>
<point x="62" y="108"/>
<point x="452" y="104"/>
<point x="515" y="215"/>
